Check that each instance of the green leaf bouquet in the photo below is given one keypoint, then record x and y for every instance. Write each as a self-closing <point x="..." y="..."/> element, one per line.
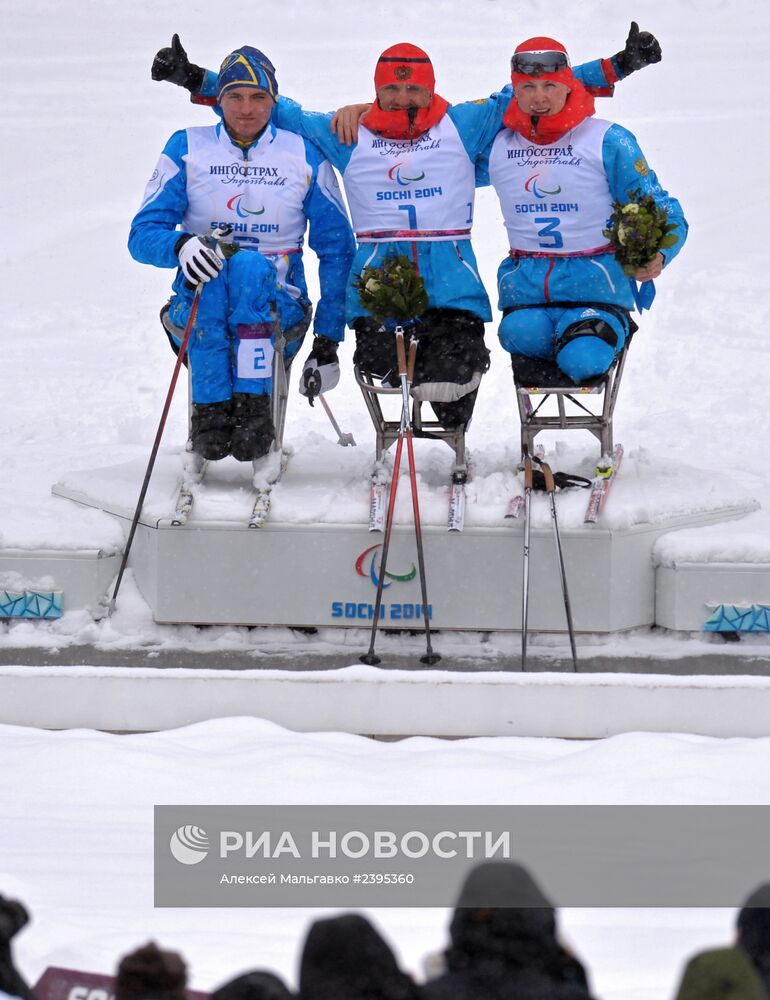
<point x="393" y="291"/>
<point x="639" y="229"/>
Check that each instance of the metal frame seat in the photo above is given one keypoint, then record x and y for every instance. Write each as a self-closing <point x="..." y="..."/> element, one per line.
<point x="387" y="431"/>
<point x="546" y="380"/>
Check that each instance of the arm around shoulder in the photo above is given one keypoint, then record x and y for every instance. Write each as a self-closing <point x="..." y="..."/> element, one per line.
<point x="312" y="125"/>
<point x="331" y="239"/>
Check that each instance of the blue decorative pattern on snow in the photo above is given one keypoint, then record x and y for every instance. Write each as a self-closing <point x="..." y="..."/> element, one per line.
<point x="739" y="618"/>
<point x="43" y="604"/>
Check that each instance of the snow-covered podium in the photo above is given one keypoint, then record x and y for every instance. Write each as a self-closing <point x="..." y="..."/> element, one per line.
<point x="316" y="564"/>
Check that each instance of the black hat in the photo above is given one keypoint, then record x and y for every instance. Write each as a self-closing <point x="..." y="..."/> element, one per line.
<point x="345" y="957"/>
<point x="253" y="986"/>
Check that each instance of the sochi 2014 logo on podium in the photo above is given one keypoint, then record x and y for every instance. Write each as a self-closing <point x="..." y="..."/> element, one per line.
<point x="367" y="566"/>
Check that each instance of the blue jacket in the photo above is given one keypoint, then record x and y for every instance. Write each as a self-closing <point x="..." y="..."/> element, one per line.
<point x="154" y="234"/>
<point x="539" y="280"/>
<point x="448" y="268"/>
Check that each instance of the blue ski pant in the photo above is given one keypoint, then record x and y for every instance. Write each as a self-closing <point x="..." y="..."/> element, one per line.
<point x="563" y="335"/>
<point x="232" y="342"/>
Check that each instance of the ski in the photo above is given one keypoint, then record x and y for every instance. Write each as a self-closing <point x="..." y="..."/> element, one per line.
<point x="261" y="507"/>
<point x="267" y="472"/>
<point x="456" y="511"/>
<point x="516" y="504"/>
<point x="378" y="497"/>
<point x="605" y="473"/>
<point x="193" y="470"/>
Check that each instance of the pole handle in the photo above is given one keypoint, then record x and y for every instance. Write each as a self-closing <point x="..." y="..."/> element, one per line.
<point x="550" y="485"/>
<point x="400" y="351"/>
<point x="527" y="472"/>
<point x="411" y="359"/>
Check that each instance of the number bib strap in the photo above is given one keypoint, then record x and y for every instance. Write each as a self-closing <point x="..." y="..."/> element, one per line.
<point x="388" y="235"/>
<point x="595" y="251"/>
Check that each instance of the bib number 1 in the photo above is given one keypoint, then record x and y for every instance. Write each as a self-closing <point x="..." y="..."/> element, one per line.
<point x="411" y="213"/>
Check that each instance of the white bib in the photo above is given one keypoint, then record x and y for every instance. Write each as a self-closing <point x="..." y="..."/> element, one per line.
<point x="260" y="193"/>
<point x="421" y="189"/>
<point x="254" y="357"/>
<point x="555" y="199"/>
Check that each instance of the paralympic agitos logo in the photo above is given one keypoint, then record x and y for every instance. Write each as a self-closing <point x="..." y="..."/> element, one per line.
<point x="235" y="204"/>
<point x="531" y="187"/>
<point x="368" y="565"/>
<point x="373" y="572"/>
<point x="394" y="174"/>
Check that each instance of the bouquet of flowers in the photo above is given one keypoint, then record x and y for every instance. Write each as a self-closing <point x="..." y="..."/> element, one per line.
<point x="392" y="291"/>
<point x="639" y="229"/>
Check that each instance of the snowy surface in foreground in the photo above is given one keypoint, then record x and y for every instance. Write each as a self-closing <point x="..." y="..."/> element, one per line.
<point x="76" y="841"/>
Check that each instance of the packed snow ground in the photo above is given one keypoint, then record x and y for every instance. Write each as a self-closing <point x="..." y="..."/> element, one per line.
<point x="85" y="370"/>
<point x="76" y="837"/>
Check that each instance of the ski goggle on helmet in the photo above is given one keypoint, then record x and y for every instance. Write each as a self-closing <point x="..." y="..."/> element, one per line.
<point x="540" y="56"/>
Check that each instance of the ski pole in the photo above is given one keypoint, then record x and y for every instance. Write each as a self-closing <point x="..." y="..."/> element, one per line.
<point x="370" y="658"/>
<point x="343" y="438"/>
<point x="550" y="488"/>
<point x="525" y="564"/>
<point x="406" y="371"/>
<point x="406" y="377"/>
<point x="156" y="445"/>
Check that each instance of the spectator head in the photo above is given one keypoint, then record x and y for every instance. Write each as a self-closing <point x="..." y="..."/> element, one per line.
<point x="723" y="974"/>
<point x="151" y="972"/>
<point x="503" y="913"/>
<point x="346" y="957"/>
<point x="13" y="916"/>
<point x="754" y="928"/>
<point x="253" y="986"/>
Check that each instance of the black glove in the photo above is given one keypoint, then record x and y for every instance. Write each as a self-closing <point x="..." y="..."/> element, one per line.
<point x="173" y="65"/>
<point x="322" y="371"/>
<point x="642" y="49"/>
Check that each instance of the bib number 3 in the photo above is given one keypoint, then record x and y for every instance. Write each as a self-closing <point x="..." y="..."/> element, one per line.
<point x="550" y="237"/>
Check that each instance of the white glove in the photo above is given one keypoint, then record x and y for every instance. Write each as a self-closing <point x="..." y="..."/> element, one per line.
<point x="321" y="372"/>
<point x="198" y="261"/>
